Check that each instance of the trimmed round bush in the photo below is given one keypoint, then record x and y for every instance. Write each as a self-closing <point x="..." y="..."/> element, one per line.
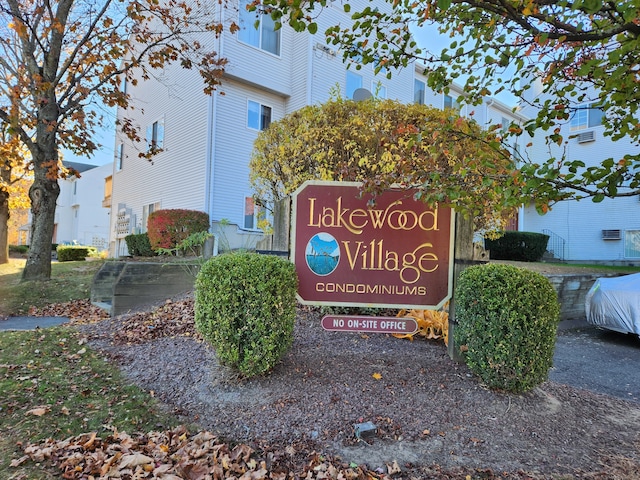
<point x="507" y="320"/>
<point x="245" y="306"/>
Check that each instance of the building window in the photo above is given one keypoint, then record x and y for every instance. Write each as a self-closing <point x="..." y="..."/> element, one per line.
<point x="155" y="136"/>
<point x="379" y="90"/>
<point x="75" y="187"/>
<point x="448" y="101"/>
<point x="354" y="82"/>
<point x="632" y="244"/>
<point x="586" y="116"/>
<point x="419" y="89"/>
<point x="250" y="213"/>
<point x="119" y="156"/>
<point x="258" y="115"/>
<point x="146" y="211"/>
<point x="505" y="122"/>
<point x="258" y="29"/>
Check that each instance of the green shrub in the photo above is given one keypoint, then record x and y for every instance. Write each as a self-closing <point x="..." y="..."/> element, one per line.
<point x="245" y="306"/>
<point x="139" y="245"/>
<point x="18" y="249"/>
<point x="71" y="253"/>
<point x="167" y="228"/>
<point x="507" y="323"/>
<point x="519" y="246"/>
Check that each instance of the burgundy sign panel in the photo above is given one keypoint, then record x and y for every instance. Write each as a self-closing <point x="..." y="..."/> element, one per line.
<point x="350" y="250"/>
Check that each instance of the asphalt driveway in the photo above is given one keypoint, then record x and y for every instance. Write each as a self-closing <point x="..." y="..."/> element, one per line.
<point x="598" y="360"/>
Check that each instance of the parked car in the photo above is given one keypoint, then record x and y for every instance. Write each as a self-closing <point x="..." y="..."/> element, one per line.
<point x="614" y="303"/>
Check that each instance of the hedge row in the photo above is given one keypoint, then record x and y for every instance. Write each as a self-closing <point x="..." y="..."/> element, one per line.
<point x="519" y="246"/>
<point x="71" y="253"/>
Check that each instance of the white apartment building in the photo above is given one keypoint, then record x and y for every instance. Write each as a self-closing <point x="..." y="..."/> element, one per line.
<point x="81" y="217"/>
<point x="584" y="231"/>
<point x="206" y="141"/>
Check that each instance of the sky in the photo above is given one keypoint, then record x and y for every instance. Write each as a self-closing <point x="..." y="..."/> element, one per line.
<point x="106" y="137"/>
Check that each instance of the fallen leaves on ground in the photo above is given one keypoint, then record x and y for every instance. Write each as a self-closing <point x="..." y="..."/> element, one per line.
<point x="174" y="454"/>
<point x="172" y="318"/>
<point x="78" y="311"/>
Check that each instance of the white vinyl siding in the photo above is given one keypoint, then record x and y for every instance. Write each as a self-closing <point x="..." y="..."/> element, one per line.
<point x="233" y="144"/>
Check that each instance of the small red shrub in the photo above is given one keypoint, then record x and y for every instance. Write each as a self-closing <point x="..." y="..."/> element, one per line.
<point x="167" y="228"/>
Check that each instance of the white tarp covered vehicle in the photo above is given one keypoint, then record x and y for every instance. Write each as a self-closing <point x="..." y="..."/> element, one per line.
<point x="614" y="303"/>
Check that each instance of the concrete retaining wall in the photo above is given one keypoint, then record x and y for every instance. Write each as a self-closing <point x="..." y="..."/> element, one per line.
<point x="572" y="291"/>
<point x="120" y="287"/>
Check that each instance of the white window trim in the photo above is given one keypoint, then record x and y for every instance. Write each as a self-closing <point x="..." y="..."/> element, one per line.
<point x="256" y="215"/>
<point x="145" y="214"/>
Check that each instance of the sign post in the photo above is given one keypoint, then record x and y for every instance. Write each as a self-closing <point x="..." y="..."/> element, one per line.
<point x="351" y="249"/>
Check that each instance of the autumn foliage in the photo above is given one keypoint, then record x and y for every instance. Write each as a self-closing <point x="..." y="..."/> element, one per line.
<point x="448" y="159"/>
<point x="167" y="228"/>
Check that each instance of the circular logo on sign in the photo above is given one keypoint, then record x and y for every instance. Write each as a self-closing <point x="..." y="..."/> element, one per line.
<point x="322" y="254"/>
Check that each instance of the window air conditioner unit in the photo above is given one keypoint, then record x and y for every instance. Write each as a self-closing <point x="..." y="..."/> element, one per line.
<point x="611" y="234"/>
<point x="586" y="137"/>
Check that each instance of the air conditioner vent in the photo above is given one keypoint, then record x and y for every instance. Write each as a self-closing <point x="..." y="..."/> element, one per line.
<point x="586" y="137"/>
<point x="611" y="234"/>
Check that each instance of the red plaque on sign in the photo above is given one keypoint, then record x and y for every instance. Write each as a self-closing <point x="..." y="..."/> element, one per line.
<point x="350" y="249"/>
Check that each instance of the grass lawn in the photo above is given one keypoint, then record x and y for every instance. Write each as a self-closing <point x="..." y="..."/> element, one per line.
<point x="51" y="384"/>
<point x="69" y="281"/>
<point x="54" y="386"/>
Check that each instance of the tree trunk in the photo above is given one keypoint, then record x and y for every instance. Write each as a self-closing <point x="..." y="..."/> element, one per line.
<point x="4" y="227"/>
<point x="43" y="194"/>
<point x="463" y="258"/>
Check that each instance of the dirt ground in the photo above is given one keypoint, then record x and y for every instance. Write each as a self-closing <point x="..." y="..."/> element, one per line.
<point x="432" y="417"/>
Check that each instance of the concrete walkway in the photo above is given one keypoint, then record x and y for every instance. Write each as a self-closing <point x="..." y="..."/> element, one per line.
<point x="30" y="323"/>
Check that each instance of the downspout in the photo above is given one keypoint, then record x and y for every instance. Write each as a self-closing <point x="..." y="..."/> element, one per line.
<point x="310" y="68"/>
<point x="211" y="134"/>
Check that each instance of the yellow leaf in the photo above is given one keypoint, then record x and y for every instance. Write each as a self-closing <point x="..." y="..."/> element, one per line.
<point x="377" y="376"/>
